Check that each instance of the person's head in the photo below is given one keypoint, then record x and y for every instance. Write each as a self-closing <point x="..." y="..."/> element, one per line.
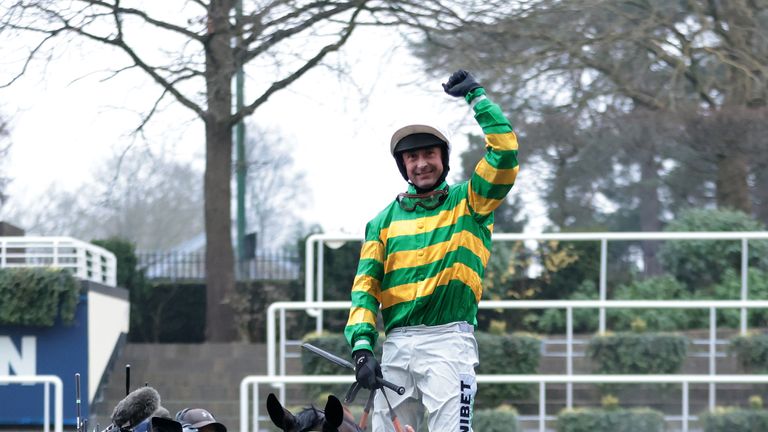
<point x="421" y="153"/>
<point x="198" y="420"/>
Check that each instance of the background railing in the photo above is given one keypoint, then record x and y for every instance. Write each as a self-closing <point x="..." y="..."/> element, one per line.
<point x="85" y="260"/>
<point x="250" y="417"/>
<point x="315" y="254"/>
<point x="190" y="266"/>
<point x="58" y="397"/>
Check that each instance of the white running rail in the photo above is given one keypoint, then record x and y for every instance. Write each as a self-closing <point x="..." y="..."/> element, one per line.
<point x="85" y="260"/>
<point x="280" y="340"/>
<point x="314" y="279"/>
<point x="251" y="414"/>
<point x="58" y="397"/>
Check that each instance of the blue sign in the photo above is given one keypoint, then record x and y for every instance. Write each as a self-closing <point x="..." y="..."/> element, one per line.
<point x="61" y="350"/>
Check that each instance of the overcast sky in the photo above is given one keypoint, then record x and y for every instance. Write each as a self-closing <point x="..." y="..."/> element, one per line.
<point x="65" y="122"/>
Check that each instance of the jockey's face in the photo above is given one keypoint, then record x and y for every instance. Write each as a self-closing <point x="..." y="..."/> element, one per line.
<point x="424" y="166"/>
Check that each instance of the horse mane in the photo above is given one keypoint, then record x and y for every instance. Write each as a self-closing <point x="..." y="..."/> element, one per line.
<point x="310" y="417"/>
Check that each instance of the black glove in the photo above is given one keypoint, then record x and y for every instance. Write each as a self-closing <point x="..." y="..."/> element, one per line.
<point x="460" y="83"/>
<point x="367" y="369"/>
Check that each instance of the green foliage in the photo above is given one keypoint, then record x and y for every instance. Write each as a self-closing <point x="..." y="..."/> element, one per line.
<point x="730" y="289"/>
<point x="169" y="313"/>
<point x="567" y="266"/>
<point x="506" y="354"/>
<point x="638" y="353"/>
<point x="611" y="420"/>
<point x="127" y="263"/>
<point x="735" y="420"/>
<point x="250" y="303"/>
<point x="584" y="320"/>
<point x="37" y="296"/>
<point x="656" y="288"/>
<point x="501" y="419"/>
<point x="701" y="263"/>
<point x="751" y="352"/>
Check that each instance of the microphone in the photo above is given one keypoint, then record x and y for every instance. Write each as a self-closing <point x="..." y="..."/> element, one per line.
<point x="136" y="407"/>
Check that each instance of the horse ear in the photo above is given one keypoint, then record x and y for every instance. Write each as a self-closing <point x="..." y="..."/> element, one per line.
<point x="280" y="416"/>
<point x="334" y="414"/>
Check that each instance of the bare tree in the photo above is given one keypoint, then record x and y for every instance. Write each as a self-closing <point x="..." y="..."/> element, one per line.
<point x="4" y="147"/>
<point x="151" y="201"/>
<point x="204" y="43"/>
<point x="276" y="189"/>
<point x="583" y="55"/>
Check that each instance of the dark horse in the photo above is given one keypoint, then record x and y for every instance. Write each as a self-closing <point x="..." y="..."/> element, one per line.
<point x="334" y="418"/>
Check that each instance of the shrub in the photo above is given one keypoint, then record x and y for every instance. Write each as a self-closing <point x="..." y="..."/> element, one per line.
<point x="638" y="353"/>
<point x="701" y="263"/>
<point x="611" y="420"/>
<point x="730" y="289"/>
<point x="501" y="419"/>
<point x="584" y="320"/>
<point x="38" y="296"/>
<point x="506" y="354"/>
<point x="735" y="420"/>
<point x="656" y="288"/>
<point x="751" y="352"/>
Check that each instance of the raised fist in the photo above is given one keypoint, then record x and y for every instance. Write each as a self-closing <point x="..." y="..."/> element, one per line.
<point x="460" y="83"/>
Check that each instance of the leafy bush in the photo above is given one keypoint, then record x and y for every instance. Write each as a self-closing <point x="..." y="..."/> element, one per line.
<point x="701" y="263"/>
<point x="506" y="354"/>
<point x="656" y="288"/>
<point x="501" y="419"/>
<point x="735" y="420"/>
<point x="610" y="420"/>
<point x="37" y="296"/>
<point x="730" y="289"/>
<point x="752" y="352"/>
<point x="584" y="320"/>
<point x="638" y="353"/>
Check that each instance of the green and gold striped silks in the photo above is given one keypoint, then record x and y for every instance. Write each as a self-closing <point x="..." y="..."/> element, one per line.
<point x="425" y="266"/>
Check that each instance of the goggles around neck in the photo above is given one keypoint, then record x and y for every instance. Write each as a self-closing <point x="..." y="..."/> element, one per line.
<point x="428" y="200"/>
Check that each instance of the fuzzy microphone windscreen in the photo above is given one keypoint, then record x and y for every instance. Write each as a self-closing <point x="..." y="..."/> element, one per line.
<point x="135" y="407"/>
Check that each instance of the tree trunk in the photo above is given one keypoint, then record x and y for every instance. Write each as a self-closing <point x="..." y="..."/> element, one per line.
<point x="219" y="256"/>
<point x="650" y="209"/>
<point x="732" y="187"/>
<point x="761" y="195"/>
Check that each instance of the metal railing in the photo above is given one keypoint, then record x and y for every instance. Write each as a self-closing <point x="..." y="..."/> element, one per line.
<point x="190" y="266"/>
<point x="314" y="278"/>
<point x="278" y="337"/>
<point x="86" y="261"/>
<point x="58" y="397"/>
<point x="249" y="416"/>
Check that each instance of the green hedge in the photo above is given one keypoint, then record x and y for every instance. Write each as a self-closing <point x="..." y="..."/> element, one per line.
<point x="506" y="354"/>
<point x="735" y="420"/>
<point x="638" y="353"/>
<point x="502" y="419"/>
<point x="37" y="296"/>
<point x="701" y="263"/>
<point x="752" y="352"/>
<point x="611" y="420"/>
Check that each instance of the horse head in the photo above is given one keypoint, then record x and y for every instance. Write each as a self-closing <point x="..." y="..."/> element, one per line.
<point x="334" y="418"/>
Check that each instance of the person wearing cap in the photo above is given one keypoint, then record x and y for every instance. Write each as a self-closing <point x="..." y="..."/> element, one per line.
<point x="422" y="263"/>
<point x="198" y="420"/>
